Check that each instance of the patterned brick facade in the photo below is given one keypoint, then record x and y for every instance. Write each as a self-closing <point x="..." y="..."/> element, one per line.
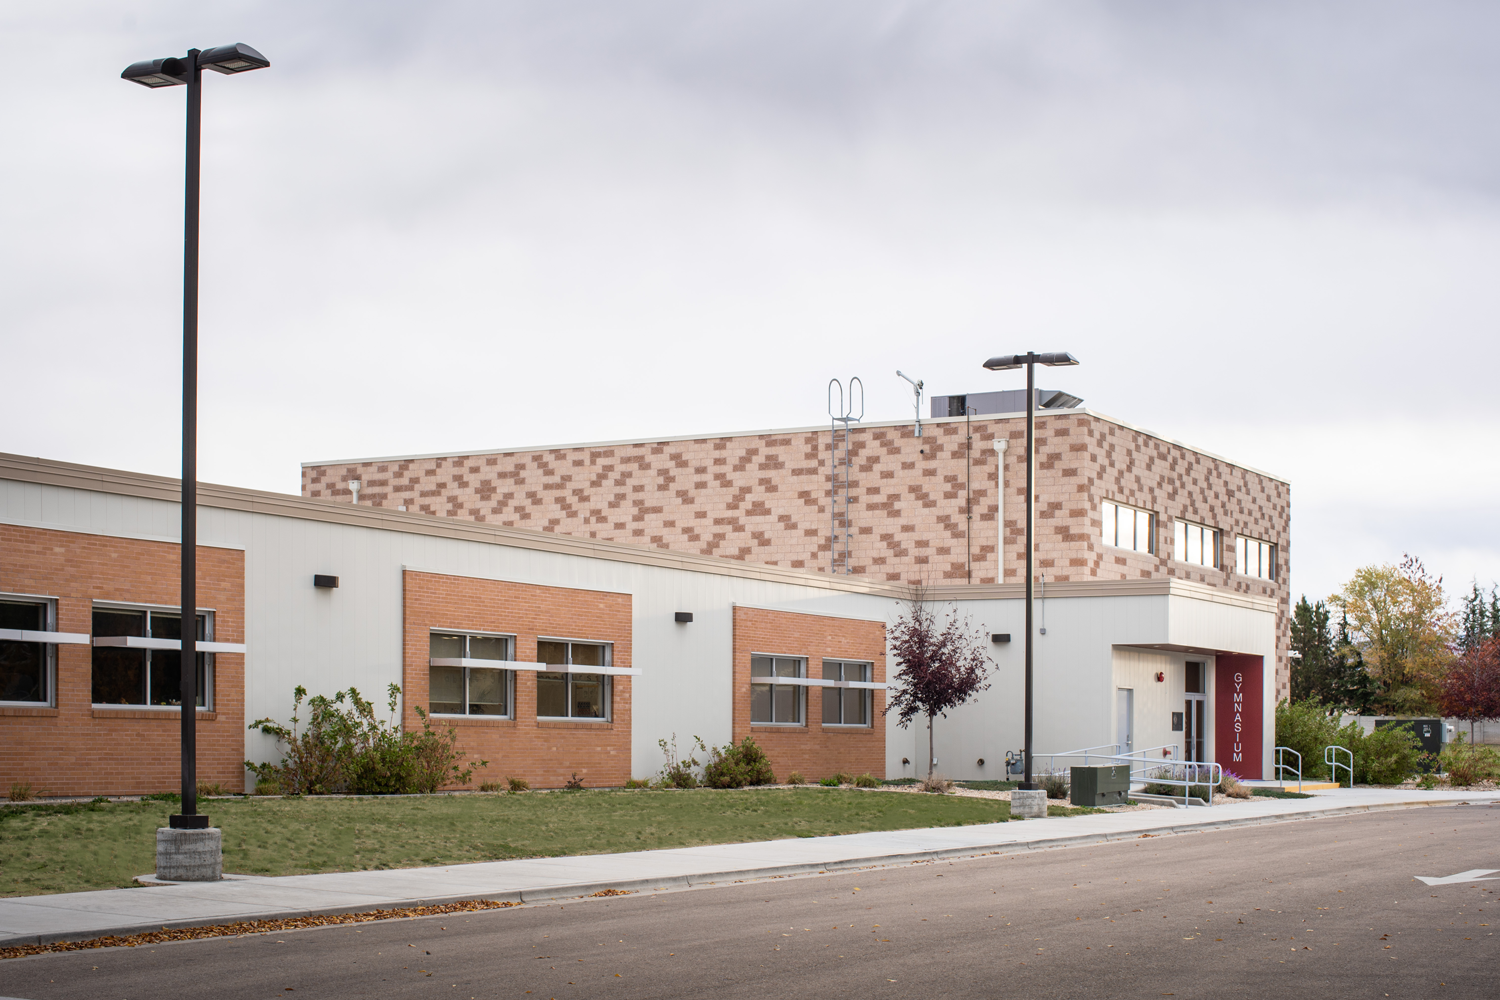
<point x="923" y="509"/>
<point x="545" y="753"/>
<point x="816" y="750"/>
<point x="75" y="748"/>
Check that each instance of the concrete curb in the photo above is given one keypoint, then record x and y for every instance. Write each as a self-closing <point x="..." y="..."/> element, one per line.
<point x="583" y="890"/>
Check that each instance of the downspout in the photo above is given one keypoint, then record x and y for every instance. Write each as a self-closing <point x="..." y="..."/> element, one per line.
<point x="1000" y="446"/>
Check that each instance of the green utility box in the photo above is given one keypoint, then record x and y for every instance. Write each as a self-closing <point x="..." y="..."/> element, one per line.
<point x="1100" y="786"/>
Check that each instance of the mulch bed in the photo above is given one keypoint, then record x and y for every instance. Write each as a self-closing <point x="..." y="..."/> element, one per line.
<point x="256" y="927"/>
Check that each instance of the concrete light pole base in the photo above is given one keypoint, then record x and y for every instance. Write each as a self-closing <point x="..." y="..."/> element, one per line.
<point x="189" y="855"/>
<point x="1027" y="803"/>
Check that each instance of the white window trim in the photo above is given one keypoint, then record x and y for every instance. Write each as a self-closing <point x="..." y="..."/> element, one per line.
<point x="854" y="686"/>
<point x="205" y="645"/>
<point x="46" y="638"/>
<point x="1150" y="534"/>
<point x="549" y="668"/>
<point x="608" y="670"/>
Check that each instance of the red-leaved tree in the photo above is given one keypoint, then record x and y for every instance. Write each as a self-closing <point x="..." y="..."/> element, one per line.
<point x="1471" y="688"/>
<point x="940" y="668"/>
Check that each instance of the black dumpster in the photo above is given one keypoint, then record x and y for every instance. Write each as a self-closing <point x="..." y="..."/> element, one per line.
<point x="1100" y="786"/>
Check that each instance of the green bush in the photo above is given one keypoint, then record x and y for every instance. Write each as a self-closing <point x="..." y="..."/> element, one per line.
<point x="867" y="780"/>
<point x="1468" y="764"/>
<point x="829" y="782"/>
<point x="345" y="748"/>
<point x="1056" y="786"/>
<point x="736" y="765"/>
<point x="795" y="778"/>
<point x="678" y="771"/>
<point x="514" y="785"/>
<point x="844" y="778"/>
<point x="1306" y="727"/>
<point x="1387" y="756"/>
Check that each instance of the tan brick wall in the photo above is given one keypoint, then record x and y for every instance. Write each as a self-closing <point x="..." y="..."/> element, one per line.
<point x="816" y="750"/>
<point x="546" y="754"/>
<point x="76" y="749"/>
<point x="764" y="498"/>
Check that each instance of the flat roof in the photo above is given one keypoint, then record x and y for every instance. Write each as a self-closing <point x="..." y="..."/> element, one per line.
<point x="816" y="428"/>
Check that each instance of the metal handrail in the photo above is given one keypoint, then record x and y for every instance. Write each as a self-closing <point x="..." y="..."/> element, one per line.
<point x="1331" y="758"/>
<point x="1193" y="773"/>
<point x="1295" y="770"/>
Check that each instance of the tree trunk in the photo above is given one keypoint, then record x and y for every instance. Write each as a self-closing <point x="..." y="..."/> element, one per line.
<point x="929" y="744"/>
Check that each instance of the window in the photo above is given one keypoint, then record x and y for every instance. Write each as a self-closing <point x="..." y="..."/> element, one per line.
<point x="1196" y="544"/>
<point x="772" y="703"/>
<point x="572" y="694"/>
<point x="137" y="673"/>
<point x="25" y="667"/>
<point x="1128" y="527"/>
<point x="457" y="686"/>
<point x="846" y="706"/>
<point x="1252" y="557"/>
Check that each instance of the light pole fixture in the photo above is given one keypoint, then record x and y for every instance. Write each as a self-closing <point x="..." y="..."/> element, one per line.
<point x="171" y="72"/>
<point x="1029" y="361"/>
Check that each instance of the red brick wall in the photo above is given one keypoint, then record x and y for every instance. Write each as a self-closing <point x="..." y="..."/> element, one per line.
<point x="546" y="754"/>
<point x="813" y="749"/>
<point x="76" y="749"/>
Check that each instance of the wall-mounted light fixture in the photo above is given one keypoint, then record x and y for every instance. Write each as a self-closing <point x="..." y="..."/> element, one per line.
<point x="1160" y="677"/>
<point x="999" y="637"/>
<point x="326" y="582"/>
<point x="980" y="762"/>
<point x="354" y="487"/>
<point x="683" y="616"/>
<point x="906" y="762"/>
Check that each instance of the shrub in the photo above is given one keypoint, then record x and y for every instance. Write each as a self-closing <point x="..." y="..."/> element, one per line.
<point x="867" y="780"/>
<point x="514" y="785"/>
<point x="205" y="789"/>
<point x="637" y="783"/>
<point x="1230" y="786"/>
<point x="937" y="784"/>
<point x="795" y="778"/>
<point x="829" y="782"/>
<point x="1469" y="764"/>
<point x="21" y="791"/>
<point x="1387" y="756"/>
<point x="99" y="800"/>
<point x="1306" y="727"/>
<point x="735" y="765"/>
<point x="347" y="749"/>
<point x="1056" y="786"/>
<point x="574" y="783"/>
<point x="844" y="778"/>
<point x="492" y="786"/>
<point x="678" y="770"/>
<point x="267" y="786"/>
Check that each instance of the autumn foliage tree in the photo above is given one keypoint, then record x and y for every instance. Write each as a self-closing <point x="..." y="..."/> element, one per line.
<point x="940" y="667"/>
<point x="1401" y="625"/>
<point x="1471" y="688"/>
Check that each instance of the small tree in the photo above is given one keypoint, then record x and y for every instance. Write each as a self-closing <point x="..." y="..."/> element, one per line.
<point x="1312" y="651"/>
<point x="1471" y="688"/>
<point x="940" y="669"/>
<point x="1401" y="625"/>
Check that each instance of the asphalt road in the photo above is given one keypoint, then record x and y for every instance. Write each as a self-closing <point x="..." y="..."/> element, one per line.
<point x="1321" y="908"/>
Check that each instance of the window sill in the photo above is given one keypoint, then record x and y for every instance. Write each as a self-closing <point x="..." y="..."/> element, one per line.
<point x="156" y="714"/>
<point x="575" y="723"/>
<point x="776" y="727"/>
<point x="502" y="721"/>
<point x="36" y="711"/>
<point x="846" y="729"/>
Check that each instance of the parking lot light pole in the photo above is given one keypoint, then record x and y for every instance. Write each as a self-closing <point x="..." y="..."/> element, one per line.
<point x="171" y="72"/>
<point x="1029" y="361"/>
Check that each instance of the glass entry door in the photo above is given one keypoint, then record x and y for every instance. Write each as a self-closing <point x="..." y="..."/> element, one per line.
<point x="1195" y="712"/>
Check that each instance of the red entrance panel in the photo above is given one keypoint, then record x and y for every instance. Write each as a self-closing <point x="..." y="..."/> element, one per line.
<point x="1238" y="713"/>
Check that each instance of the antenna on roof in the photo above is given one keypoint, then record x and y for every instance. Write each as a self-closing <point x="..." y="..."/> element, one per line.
<point x="916" y="388"/>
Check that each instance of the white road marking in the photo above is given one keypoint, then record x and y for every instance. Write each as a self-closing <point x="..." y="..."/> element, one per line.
<point x="1472" y="875"/>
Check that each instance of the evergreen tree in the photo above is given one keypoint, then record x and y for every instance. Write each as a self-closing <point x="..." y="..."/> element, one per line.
<point x="1350" y="686"/>
<point x="1475" y="623"/>
<point x="1312" y="652"/>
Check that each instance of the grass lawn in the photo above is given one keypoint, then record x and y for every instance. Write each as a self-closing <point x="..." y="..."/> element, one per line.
<point x="70" y="848"/>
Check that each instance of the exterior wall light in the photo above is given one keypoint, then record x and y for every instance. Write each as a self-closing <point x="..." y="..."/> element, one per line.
<point x="326" y="582"/>
<point x="683" y="616"/>
<point x="1000" y="637"/>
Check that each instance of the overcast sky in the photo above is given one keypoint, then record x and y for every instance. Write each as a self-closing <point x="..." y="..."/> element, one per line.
<point x="1269" y="230"/>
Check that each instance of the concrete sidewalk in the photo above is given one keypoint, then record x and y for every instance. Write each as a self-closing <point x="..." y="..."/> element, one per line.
<point x="82" y="915"/>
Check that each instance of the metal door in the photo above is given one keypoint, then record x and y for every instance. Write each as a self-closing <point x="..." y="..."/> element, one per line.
<point x="1125" y="719"/>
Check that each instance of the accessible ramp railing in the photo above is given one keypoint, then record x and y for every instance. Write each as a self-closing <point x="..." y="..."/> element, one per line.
<point x="1282" y="768"/>
<point x="1159" y="765"/>
<point x="1331" y="758"/>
